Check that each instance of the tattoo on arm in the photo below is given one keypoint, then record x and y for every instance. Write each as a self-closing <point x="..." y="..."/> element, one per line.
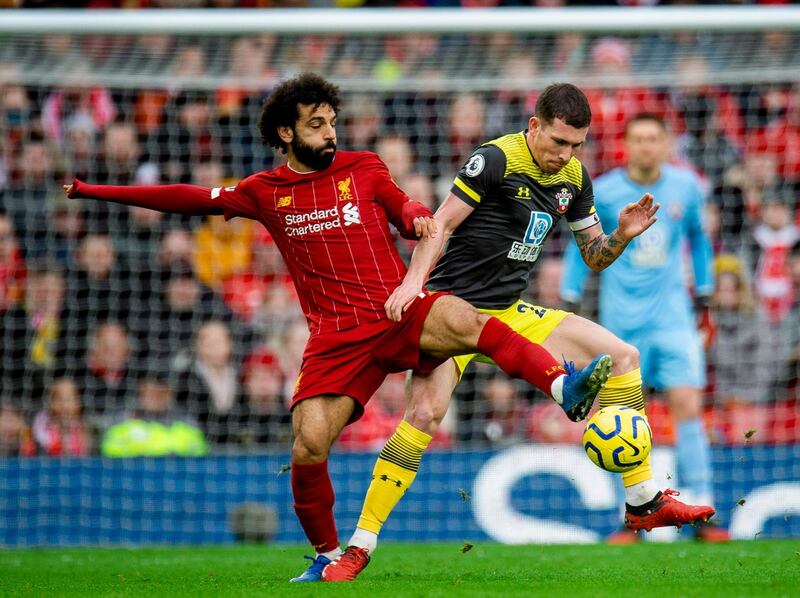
<point x="600" y="252"/>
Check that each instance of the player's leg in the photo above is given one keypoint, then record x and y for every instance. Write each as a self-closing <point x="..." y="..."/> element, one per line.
<point x="428" y="397"/>
<point x="581" y="339"/>
<point x="692" y="452"/>
<point x="317" y="423"/>
<point x="451" y="325"/>
<point x="396" y="467"/>
<point x="646" y="506"/>
<point x="680" y="368"/>
<point x="693" y="455"/>
<point x="576" y="391"/>
<point x="454" y="327"/>
<point x="623" y="535"/>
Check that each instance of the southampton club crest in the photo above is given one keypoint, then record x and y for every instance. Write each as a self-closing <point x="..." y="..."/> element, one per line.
<point x="563" y="197"/>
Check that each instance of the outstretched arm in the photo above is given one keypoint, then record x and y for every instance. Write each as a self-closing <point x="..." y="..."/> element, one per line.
<point x="600" y="250"/>
<point x="450" y="214"/>
<point x="177" y="199"/>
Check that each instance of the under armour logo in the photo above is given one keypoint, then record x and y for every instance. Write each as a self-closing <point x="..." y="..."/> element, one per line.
<point x="386" y="478"/>
<point x="524" y="192"/>
<point x="351" y="214"/>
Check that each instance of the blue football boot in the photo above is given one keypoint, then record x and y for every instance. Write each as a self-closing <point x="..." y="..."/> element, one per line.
<point x="314" y="571"/>
<point x="581" y="386"/>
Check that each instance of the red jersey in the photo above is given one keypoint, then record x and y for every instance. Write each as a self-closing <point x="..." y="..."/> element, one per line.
<point x="332" y="228"/>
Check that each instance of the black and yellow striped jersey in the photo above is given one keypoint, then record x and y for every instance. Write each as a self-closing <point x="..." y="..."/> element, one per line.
<point x="489" y="257"/>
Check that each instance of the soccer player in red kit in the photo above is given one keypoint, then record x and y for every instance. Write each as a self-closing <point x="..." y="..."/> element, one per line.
<point x="328" y="211"/>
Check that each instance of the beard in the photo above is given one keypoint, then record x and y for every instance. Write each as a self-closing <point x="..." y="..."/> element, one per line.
<point x="313" y="157"/>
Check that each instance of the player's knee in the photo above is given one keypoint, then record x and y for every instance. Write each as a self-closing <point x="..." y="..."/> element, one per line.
<point x="307" y="450"/>
<point x="468" y="320"/>
<point x="686" y="405"/>
<point x="425" y="417"/>
<point x="476" y="321"/>
<point x="467" y="326"/>
<point x="684" y="412"/>
<point x="625" y="358"/>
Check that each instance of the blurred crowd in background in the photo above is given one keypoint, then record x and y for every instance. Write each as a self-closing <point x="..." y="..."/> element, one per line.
<point x="130" y="332"/>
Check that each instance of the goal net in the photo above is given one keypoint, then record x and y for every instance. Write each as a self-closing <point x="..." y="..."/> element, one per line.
<point x="147" y="359"/>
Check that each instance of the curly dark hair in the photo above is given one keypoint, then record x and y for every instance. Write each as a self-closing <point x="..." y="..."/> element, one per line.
<point x="281" y="107"/>
<point x="564" y="101"/>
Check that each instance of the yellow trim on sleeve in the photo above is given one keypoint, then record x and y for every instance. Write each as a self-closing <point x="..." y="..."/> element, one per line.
<point x="471" y="193"/>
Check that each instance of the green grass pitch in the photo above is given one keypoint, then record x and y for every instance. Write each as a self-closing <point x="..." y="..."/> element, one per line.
<point x="757" y="568"/>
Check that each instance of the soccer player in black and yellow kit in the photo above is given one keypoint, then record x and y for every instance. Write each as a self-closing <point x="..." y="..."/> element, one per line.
<point x="503" y="204"/>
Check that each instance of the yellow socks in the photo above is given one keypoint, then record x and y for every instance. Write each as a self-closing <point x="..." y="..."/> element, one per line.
<point x="626" y="390"/>
<point x="394" y="473"/>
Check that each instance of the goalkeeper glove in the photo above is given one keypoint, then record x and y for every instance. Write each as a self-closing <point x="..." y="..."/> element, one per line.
<point x="705" y="320"/>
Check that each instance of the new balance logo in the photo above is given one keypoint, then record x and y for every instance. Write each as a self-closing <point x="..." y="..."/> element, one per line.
<point x="351" y="214"/>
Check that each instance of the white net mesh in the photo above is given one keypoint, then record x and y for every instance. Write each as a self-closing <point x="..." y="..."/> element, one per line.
<point x="113" y="316"/>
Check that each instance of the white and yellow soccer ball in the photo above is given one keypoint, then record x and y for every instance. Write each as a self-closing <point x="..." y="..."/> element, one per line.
<point x="617" y="438"/>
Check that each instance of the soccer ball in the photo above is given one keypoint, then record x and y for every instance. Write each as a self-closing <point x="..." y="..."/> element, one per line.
<point x="617" y="438"/>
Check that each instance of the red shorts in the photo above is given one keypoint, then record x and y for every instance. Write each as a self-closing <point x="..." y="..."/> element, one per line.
<point x="354" y="362"/>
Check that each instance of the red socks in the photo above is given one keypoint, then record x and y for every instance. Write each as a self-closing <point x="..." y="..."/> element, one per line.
<point x="313" y="503"/>
<point x="518" y="357"/>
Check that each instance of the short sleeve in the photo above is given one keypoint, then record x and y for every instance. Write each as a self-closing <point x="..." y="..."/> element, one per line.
<point x="480" y="175"/>
<point x="237" y="200"/>
<point x="582" y="213"/>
